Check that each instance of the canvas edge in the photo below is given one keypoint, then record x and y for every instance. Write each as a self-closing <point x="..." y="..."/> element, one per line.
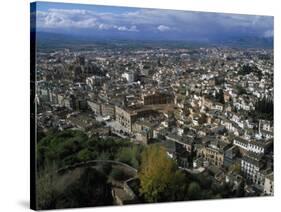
<point x="33" y="202"/>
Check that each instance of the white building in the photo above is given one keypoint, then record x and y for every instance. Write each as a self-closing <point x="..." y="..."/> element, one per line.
<point x="252" y="166"/>
<point x="269" y="184"/>
<point x="254" y="146"/>
<point x="129" y="76"/>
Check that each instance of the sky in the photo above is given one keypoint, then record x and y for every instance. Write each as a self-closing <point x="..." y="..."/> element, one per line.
<point x="125" y="22"/>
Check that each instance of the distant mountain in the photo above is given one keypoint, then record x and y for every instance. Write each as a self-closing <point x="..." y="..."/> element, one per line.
<point x="247" y="42"/>
<point x="62" y="40"/>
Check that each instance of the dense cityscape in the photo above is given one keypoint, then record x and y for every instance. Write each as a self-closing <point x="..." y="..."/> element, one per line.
<point x="210" y="109"/>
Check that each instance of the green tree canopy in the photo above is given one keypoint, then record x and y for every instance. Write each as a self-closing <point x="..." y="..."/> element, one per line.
<point x="159" y="178"/>
<point x="130" y="155"/>
<point x="194" y="191"/>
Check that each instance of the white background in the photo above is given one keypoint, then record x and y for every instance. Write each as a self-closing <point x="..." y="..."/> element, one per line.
<point x="14" y="103"/>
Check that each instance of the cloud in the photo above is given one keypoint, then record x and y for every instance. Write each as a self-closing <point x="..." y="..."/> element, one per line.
<point x="58" y="18"/>
<point x="124" y="28"/>
<point x="133" y="29"/>
<point x="163" y="28"/>
<point x="81" y="19"/>
<point x="152" y="20"/>
<point x="104" y="26"/>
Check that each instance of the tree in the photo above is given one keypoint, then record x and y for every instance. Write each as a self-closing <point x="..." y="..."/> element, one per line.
<point x="71" y="146"/>
<point x="159" y="178"/>
<point x="204" y="180"/>
<point x="241" y="90"/>
<point x="219" y="96"/>
<point x="247" y="69"/>
<point x="46" y="188"/>
<point x="129" y="155"/>
<point x="84" y="155"/>
<point x="194" y="191"/>
<point x="264" y="109"/>
<point x="240" y="192"/>
<point x="118" y="174"/>
<point x="106" y="168"/>
<point x="235" y="168"/>
<point x="91" y="189"/>
<point x="62" y="147"/>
